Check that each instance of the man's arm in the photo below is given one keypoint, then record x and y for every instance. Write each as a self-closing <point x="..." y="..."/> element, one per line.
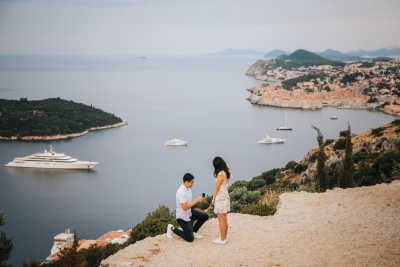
<point x="187" y="206"/>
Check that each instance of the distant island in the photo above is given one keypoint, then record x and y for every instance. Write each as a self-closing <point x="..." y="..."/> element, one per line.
<point x="336" y="55"/>
<point x="308" y="81"/>
<point x="51" y="119"/>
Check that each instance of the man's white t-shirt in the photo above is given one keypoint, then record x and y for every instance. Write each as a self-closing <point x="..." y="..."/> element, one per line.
<point x="183" y="195"/>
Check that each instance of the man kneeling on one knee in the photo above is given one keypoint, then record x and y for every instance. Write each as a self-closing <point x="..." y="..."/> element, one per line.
<point x="185" y="215"/>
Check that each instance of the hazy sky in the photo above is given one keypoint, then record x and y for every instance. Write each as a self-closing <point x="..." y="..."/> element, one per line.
<point x="186" y="27"/>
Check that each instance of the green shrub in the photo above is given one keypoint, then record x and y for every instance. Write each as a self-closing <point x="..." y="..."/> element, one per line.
<point x="161" y="212"/>
<point x="340" y="144"/>
<point x="396" y="122"/>
<point x="149" y="227"/>
<point x="257" y="209"/>
<point x="235" y="206"/>
<point x="243" y="197"/>
<point x="333" y="174"/>
<point x="291" y="165"/>
<point x="360" y="156"/>
<point x="300" y="168"/>
<point x="239" y="183"/>
<point x="256" y="183"/>
<point x="310" y="187"/>
<point x="270" y="180"/>
<point x="377" y="131"/>
<point x="342" y="133"/>
<point x="328" y="142"/>
<point x="313" y="157"/>
<point x="269" y="176"/>
<point x="252" y="197"/>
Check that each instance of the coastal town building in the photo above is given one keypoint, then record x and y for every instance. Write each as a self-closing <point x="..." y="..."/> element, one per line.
<point x="65" y="240"/>
<point x="372" y="84"/>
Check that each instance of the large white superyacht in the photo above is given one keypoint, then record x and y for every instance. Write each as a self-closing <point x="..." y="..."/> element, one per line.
<point x="51" y="160"/>
<point x="176" y="142"/>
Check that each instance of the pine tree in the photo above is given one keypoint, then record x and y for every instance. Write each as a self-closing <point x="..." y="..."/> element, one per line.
<point x="6" y="244"/>
<point x="71" y="257"/>
<point x="321" y="181"/>
<point x="346" y="171"/>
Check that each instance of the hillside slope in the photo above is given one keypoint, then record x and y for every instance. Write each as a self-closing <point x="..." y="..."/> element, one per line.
<point x="352" y="227"/>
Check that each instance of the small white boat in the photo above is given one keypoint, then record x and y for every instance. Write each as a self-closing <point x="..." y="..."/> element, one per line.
<point x="176" y="142"/>
<point x="334" y="117"/>
<point x="271" y="140"/>
<point x="50" y="160"/>
<point x="285" y="128"/>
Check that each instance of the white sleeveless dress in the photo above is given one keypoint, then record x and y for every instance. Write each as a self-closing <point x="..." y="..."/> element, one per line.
<point x="222" y="202"/>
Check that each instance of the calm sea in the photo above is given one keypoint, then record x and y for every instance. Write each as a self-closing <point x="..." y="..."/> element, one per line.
<point x="201" y="100"/>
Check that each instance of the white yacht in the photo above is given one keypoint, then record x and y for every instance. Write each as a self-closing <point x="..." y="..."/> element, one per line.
<point x="176" y="142"/>
<point x="285" y="128"/>
<point x="50" y="160"/>
<point x="270" y="140"/>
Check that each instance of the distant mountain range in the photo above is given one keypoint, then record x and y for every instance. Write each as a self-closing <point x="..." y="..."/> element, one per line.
<point x="350" y="56"/>
<point x="304" y="58"/>
<point x="276" y="53"/>
<point x="237" y="52"/>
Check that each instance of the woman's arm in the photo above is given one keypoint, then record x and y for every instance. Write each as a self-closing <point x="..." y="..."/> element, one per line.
<point x="220" y="179"/>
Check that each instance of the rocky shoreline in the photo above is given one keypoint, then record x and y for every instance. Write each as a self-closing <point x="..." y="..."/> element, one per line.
<point x="64" y="136"/>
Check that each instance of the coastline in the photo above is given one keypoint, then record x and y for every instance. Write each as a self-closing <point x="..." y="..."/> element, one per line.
<point x="343" y="98"/>
<point x="63" y="136"/>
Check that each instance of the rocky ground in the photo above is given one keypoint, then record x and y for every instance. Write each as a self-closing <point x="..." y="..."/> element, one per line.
<point x="351" y="227"/>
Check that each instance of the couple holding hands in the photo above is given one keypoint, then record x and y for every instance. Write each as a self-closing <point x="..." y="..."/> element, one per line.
<point x="185" y="215"/>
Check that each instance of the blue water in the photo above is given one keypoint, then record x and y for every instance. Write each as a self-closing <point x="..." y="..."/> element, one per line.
<point x="201" y="100"/>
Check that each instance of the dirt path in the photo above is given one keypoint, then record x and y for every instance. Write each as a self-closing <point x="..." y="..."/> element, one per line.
<point x="352" y="227"/>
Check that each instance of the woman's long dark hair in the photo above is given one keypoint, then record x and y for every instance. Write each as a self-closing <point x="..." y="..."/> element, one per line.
<point x="220" y="165"/>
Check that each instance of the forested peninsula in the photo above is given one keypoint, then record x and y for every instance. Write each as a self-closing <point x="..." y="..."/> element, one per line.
<point x="51" y="119"/>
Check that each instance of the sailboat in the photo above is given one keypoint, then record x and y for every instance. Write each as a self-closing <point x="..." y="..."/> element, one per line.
<point x="285" y="128"/>
<point x="335" y="117"/>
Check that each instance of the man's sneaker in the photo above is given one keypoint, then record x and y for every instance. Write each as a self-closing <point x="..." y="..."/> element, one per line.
<point x="169" y="231"/>
<point x="196" y="235"/>
<point x="220" y="242"/>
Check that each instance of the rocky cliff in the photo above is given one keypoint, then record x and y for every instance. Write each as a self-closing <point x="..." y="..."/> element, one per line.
<point x="351" y="227"/>
<point x="388" y="139"/>
<point x="258" y="69"/>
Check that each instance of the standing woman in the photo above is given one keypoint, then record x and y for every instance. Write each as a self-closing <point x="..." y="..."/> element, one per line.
<point x="221" y="201"/>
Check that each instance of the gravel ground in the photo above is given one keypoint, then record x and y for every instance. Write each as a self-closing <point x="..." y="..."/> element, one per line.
<point x="351" y="227"/>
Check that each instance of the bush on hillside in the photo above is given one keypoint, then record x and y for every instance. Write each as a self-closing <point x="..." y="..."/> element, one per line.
<point x="328" y="142"/>
<point x="360" y="156"/>
<point x="340" y="144"/>
<point x="256" y="183"/>
<point x="377" y="131"/>
<point x="149" y="227"/>
<point x="269" y="176"/>
<point x="300" y="168"/>
<point x="241" y="197"/>
<point x="239" y="183"/>
<point x="291" y="165"/>
<point x="313" y="157"/>
<point x="342" y="133"/>
<point x="258" y="209"/>
<point x="396" y="122"/>
<point x="161" y="212"/>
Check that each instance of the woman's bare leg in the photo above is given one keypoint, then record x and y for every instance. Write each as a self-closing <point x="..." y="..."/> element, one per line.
<point x="223" y="225"/>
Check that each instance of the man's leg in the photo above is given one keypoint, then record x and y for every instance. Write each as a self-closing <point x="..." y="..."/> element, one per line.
<point x="187" y="230"/>
<point x="201" y="218"/>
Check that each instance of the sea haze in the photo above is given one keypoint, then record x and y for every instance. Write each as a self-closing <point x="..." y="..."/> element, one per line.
<point x="201" y="100"/>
